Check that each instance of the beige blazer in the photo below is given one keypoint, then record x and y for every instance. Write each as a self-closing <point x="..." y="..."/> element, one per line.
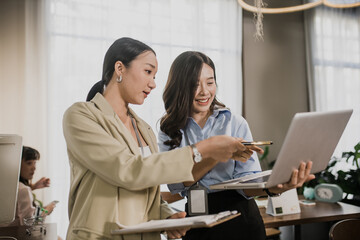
<point x="110" y="180"/>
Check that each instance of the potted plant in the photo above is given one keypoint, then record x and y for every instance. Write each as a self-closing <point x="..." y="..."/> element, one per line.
<point x="348" y="180"/>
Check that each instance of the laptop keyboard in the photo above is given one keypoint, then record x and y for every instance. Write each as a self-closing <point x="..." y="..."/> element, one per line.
<point x="249" y="177"/>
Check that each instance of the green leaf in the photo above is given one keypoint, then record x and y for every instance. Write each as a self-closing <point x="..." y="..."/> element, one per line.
<point x="357" y="147"/>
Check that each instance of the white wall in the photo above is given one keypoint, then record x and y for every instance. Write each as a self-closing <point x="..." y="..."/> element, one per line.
<point x="22" y="95"/>
<point x="275" y="80"/>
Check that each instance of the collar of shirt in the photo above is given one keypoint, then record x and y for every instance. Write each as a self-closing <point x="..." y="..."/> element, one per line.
<point x="194" y="133"/>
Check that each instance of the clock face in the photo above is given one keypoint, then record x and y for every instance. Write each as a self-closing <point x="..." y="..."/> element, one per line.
<point x="327" y="192"/>
<point x="324" y="193"/>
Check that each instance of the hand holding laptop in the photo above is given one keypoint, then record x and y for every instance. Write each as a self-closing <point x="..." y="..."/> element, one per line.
<point x="304" y="142"/>
<point x="298" y="178"/>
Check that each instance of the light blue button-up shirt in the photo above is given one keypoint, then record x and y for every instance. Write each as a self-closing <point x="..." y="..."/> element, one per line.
<point x="221" y="122"/>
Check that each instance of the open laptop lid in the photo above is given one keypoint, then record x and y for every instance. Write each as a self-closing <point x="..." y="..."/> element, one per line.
<point x="311" y="136"/>
<point x="10" y="160"/>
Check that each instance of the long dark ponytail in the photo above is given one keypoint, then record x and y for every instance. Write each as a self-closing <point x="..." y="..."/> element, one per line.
<point x="124" y="50"/>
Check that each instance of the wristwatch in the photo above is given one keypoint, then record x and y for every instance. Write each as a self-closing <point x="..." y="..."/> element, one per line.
<point x="271" y="194"/>
<point x="197" y="154"/>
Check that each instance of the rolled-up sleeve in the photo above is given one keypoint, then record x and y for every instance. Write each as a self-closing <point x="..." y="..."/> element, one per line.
<point x="252" y="165"/>
<point x="165" y="210"/>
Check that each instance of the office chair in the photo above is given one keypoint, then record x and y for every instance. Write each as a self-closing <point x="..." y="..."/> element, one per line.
<point x="345" y="230"/>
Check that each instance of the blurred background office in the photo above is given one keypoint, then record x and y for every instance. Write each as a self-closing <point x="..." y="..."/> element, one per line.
<point x="51" y="53"/>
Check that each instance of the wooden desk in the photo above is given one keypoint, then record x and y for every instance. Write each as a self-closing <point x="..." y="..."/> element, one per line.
<point x="20" y="232"/>
<point x="321" y="212"/>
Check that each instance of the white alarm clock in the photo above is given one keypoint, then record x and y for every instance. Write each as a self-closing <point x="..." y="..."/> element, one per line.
<point x="326" y="192"/>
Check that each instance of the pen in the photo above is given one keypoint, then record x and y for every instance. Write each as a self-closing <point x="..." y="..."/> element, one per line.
<point x="258" y="143"/>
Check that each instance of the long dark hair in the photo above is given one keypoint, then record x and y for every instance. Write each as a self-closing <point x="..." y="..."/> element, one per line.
<point x="180" y="91"/>
<point x="28" y="154"/>
<point x="124" y="50"/>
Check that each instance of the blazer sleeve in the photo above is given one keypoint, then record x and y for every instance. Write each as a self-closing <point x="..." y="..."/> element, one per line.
<point x="165" y="210"/>
<point x="110" y="158"/>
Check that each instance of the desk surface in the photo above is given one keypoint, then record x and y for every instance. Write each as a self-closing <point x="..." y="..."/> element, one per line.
<point x="20" y="232"/>
<point x="321" y="212"/>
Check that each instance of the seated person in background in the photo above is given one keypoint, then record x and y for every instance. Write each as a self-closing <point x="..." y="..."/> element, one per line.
<point x="25" y="201"/>
<point x="193" y="114"/>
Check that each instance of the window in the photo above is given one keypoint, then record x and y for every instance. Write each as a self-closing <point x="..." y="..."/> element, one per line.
<point x="335" y="56"/>
<point x="80" y="31"/>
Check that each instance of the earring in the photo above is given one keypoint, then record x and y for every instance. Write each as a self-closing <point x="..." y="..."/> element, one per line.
<point x="119" y="79"/>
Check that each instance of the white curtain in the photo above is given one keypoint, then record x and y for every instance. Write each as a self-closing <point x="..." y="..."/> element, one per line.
<point x="23" y="84"/>
<point x="79" y="33"/>
<point x="334" y="64"/>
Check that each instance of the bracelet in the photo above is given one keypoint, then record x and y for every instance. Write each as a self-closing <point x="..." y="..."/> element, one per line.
<point x="271" y="194"/>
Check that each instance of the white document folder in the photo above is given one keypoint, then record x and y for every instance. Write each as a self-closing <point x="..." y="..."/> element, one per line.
<point x="169" y="224"/>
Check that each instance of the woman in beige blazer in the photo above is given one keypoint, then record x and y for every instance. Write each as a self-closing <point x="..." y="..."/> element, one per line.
<point x="115" y="168"/>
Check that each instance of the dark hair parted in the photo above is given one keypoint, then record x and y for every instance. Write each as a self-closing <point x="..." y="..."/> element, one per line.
<point x="124" y="50"/>
<point x="180" y="91"/>
<point x="28" y="154"/>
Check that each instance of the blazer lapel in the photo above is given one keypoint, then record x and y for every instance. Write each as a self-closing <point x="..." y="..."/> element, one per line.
<point x="146" y="132"/>
<point x="112" y="117"/>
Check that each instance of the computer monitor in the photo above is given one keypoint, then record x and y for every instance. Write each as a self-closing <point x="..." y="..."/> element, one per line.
<point x="10" y="161"/>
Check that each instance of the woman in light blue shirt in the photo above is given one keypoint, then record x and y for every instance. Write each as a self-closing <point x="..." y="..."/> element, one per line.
<point x="220" y="122"/>
<point x="193" y="114"/>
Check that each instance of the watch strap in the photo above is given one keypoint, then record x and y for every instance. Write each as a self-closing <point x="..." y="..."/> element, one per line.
<point x="271" y="194"/>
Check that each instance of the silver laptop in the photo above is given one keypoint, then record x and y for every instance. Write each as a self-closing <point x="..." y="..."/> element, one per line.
<point x="10" y="161"/>
<point x="311" y="136"/>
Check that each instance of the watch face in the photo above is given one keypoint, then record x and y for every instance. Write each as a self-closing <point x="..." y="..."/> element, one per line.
<point x="324" y="193"/>
<point x="197" y="158"/>
<point x="197" y="154"/>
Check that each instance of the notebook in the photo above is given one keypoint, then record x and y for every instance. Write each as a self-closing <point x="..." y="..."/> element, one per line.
<point x="311" y="136"/>
<point x="207" y="221"/>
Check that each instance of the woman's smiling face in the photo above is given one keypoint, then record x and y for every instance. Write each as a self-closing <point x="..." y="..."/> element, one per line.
<point x="205" y="92"/>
